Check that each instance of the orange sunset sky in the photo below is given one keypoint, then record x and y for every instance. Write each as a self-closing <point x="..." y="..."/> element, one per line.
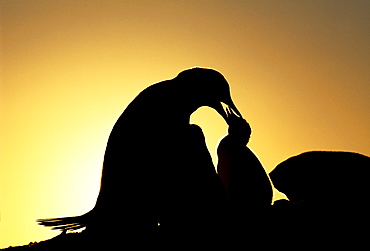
<point x="298" y="70"/>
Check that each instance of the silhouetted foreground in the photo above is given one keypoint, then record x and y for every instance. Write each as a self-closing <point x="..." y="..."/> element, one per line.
<point x="159" y="188"/>
<point x="328" y="210"/>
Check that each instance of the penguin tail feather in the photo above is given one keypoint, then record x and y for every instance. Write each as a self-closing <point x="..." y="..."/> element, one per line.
<point x="65" y="223"/>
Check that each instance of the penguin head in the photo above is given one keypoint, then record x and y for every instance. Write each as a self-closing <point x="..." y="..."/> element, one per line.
<point x="206" y="87"/>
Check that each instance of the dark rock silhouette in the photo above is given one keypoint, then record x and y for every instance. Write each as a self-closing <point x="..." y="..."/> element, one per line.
<point x="157" y="168"/>
<point x="323" y="177"/>
<point x="328" y="199"/>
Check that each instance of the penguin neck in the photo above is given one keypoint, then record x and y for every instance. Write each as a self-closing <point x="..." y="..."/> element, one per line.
<point x="180" y="115"/>
<point x="181" y="118"/>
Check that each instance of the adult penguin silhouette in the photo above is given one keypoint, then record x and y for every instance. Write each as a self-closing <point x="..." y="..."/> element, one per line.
<point x="157" y="169"/>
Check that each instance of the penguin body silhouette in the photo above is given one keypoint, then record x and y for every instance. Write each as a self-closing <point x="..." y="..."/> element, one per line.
<point x="157" y="168"/>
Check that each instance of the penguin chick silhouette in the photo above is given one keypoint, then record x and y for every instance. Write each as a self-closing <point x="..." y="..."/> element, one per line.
<point x="157" y="168"/>
<point x="246" y="181"/>
<point x="248" y="188"/>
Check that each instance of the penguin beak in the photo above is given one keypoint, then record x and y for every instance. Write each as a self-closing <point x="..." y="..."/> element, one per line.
<point x="222" y="107"/>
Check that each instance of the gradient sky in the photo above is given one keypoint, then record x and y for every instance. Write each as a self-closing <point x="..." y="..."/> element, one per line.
<point x="298" y="70"/>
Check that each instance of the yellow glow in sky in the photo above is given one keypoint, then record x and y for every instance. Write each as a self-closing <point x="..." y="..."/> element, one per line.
<point x="298" y="70"/>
